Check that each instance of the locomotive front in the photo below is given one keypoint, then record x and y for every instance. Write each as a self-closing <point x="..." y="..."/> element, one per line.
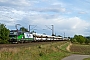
<point x="15" y="36"/>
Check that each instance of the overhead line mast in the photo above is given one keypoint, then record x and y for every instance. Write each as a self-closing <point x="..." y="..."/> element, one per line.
<point x="51" y="29"/>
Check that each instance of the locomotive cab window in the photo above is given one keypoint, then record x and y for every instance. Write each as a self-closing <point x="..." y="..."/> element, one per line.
<point x="13" y="32"/>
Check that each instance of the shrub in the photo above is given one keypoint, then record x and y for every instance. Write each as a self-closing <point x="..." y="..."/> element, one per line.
<point x="4" y="34"/>
<point x="79" y="38"/>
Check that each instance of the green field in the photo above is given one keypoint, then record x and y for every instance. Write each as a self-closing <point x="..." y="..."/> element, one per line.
<point x="51" y="51"/>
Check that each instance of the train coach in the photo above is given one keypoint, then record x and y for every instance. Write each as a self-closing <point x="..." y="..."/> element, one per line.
<point x="21" y="37"/>
<point x="41" y="37"/>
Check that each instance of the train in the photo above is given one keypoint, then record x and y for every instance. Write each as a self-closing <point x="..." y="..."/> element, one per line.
<point x="17" y="36"/>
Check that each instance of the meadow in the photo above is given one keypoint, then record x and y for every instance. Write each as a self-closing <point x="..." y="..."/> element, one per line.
<point x="51" y="51"/>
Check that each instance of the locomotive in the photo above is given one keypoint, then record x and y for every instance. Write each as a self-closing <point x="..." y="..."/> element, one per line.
<point x="17" y="36"/>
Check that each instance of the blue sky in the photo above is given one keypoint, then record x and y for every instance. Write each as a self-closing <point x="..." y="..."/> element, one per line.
<point x="69" y="16"/>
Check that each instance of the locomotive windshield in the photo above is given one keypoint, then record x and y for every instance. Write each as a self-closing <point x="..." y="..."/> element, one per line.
<point x="13" y="33"/>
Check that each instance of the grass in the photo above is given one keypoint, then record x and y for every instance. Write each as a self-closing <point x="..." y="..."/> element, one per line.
<point x="54" y="56"/>
<point x="58" y="53"/>
<point x="63" y="47"/>
<point x="86" y="59"/>
<point x="52" y="51"/>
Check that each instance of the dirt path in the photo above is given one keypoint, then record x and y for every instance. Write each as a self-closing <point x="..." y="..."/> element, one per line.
<point x="76" y="57"/>
<point x="68" y="48"/>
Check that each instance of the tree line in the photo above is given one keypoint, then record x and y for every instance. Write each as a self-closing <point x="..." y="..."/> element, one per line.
<point x="80" y="39"/>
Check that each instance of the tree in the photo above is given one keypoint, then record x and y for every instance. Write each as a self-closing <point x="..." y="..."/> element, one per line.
<point x="73" y="40"/>
<point x="87" y="40"/>
<point x="23" y="29"/>
<point x="4" y="34"/>
<point x="32" y="32"/>
<point x="79" y="38"/>
<point x="59" y="35"/>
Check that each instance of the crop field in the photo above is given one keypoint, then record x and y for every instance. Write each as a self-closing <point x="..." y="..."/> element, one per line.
<point x="80" y="49"/>
<point x="50" y="51"/>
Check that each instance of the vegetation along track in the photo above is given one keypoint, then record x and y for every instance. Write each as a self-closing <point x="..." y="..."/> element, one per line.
<point x="25" y="44"/>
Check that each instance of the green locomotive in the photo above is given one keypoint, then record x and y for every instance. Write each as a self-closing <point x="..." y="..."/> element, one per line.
<point x="19" y="36"/>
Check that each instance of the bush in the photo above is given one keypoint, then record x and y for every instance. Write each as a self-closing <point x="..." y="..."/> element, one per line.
<point x="80" y="39"/>
<point x="87" y="41"/>
<point x="4" y="34"/>
<point x="41" y="54"/>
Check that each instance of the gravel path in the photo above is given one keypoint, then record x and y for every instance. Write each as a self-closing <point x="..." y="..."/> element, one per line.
<point x="76" y="57"/>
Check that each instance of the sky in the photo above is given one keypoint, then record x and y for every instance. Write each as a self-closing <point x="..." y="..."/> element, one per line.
<point x="68" y="17"/>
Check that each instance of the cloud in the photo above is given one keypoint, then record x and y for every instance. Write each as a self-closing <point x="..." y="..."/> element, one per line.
<point x="3" y="0"/>
<point x="21" y="2"/>
<point x="50" y="9"/>
<point x="45" y="12"/>
<point x="82" y="12"/>
<point x="71" y="26"/>
<point x="14" y="3"/>
<point x="11" y="16"/>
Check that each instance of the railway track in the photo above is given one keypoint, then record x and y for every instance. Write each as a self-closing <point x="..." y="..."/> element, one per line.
<point x="26" y="44"/>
